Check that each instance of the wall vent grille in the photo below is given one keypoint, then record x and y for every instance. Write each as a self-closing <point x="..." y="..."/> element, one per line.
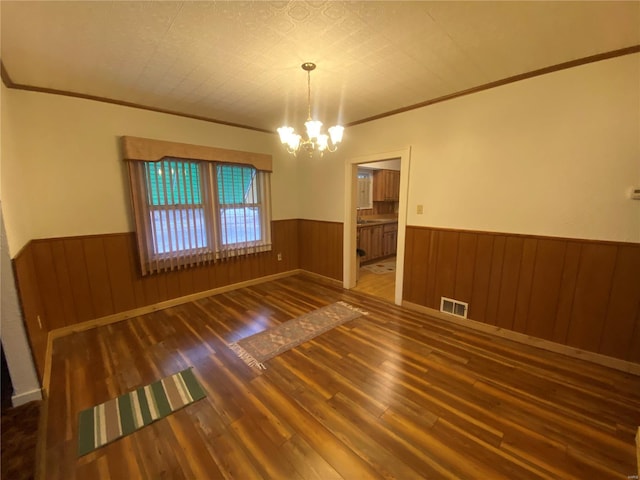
<point x="454" y="307"/>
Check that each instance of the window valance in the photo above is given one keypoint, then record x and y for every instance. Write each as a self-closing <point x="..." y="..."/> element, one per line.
<point x="150" y="150"/>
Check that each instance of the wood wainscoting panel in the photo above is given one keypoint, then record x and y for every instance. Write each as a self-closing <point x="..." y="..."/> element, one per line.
<point x="565" y="294"/>
<point x="510" y="274"/>
<point x="481" y="277"/>
<point x="49" y="285"/>
<point x="79" y="289"/>
<point x="121" y="266"/>
<point x="495" y="279"/>
<point x="623" y="312"/>
<point x="525" y="279"/>
<point x="545" y="282"/>
<point x="66" y="281"/>
<point x="445" y="263"/>
<point x="579" y="293"/>
<point x="467" y="248"/>
<point x="591" y="297"/>
<point x="98" y="273"/>
<point x="321" y="247"/>
<point x="418" y="245"/>
<point x="32" y="306"/>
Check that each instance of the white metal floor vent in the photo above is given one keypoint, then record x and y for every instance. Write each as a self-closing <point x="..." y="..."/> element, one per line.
<point x="454" y="307"/>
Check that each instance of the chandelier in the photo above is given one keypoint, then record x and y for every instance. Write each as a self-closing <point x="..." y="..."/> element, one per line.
<point x="315" y="140"/>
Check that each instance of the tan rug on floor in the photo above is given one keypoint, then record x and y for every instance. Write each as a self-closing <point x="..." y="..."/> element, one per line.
<point x="259" y="348"/>
<point x="381" y="267"/>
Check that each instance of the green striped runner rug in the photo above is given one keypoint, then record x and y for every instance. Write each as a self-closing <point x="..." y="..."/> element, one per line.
<point x="125" y="414"/>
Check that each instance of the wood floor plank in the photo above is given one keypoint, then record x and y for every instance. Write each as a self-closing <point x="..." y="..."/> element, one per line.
<point x="318" y="436"/>
<point x="307" y="461"/>
<point x="200" y="462"/>
<point x="392" y="394"/>
<point x="263" y="451"/>
<point x="396" y="443"/>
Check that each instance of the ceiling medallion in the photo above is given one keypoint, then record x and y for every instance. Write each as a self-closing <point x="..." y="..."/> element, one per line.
<point x="315" y="140"/>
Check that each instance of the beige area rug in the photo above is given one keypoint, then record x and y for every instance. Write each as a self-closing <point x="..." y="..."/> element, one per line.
<point x="381" y="267"/>
<point x="258" y="348"/>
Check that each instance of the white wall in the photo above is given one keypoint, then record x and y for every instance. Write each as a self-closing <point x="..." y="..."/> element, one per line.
<point x="63" y="174"/>
<point x="14" y="338"/>
<point x="552" y="155"/>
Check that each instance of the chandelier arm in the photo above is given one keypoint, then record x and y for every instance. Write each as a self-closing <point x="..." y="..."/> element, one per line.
<point x="330" y="149"/>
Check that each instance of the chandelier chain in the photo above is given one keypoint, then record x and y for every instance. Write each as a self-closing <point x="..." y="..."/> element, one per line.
<point x="309" y="94"/>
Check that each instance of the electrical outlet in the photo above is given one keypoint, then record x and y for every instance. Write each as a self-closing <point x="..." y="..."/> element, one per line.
<point x="279" y="257"/>
<point x="420" y="209"/>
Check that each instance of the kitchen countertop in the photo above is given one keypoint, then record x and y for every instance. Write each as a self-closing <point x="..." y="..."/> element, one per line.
<point x="377" y="221"/>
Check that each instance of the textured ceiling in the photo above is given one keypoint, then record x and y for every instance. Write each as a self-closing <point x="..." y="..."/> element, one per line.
<point x="239" y="62"/>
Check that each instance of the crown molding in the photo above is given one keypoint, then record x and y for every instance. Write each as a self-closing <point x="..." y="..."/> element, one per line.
<point x="505" y="81"/>
<point x="6" y="79"/>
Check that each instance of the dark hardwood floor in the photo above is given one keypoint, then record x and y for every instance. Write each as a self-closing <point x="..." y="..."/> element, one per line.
<point x="394" y="394"/>
<point x="18" y="441"/>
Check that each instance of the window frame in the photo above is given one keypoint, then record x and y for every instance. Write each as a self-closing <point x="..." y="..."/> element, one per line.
<point x="136" y="150"/>
<point x="369" y="175"/>
<point x="173" y="207"/>
<point x="157" y="221"/>
<point x="219" y="205"/>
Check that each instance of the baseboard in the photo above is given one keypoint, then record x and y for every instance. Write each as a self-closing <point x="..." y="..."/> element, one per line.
<point x="321" y="278"/>
<point x="597" y="358"/>
<point x="26" y="397"/>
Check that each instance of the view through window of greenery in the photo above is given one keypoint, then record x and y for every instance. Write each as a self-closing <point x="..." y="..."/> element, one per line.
<point x="173" y="182"/>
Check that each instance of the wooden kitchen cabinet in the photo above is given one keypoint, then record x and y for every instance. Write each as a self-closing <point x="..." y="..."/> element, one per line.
<point x="393" y="187"/>
<point x="389" y="239"/>
<point x="364" y="242"/>
<point x="377" y="241"/>
<point x="386" y="186"/>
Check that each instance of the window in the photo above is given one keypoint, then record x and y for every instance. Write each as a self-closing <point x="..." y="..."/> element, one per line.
<point x="190" y="212"/>
<point x="176" y="211"/>
<point x="365" y="188"/>
<point x="239" y="204"/>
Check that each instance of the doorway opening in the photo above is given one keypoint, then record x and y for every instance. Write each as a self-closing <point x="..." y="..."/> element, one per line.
<point x="375" y="222"/>
<point x="378" y="199"/>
